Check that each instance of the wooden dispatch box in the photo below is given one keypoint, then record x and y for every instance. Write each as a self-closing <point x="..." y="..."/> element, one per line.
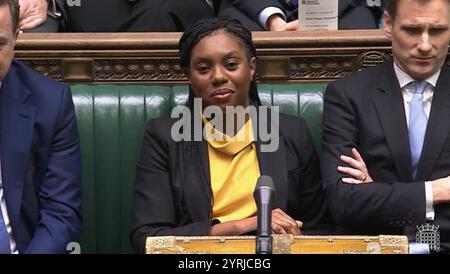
<point x="282" y="244"/>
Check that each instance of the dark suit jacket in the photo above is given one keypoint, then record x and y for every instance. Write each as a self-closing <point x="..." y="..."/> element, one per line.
<point x="353" y="14"/>
<point x="149" y="16"/>
<point x="40" y="161"/>
<point x="118" y="15"/>
<point x="366" y="111"/>
<point x="170" y="199"/>
<point x="246" y="11"/>
<point x="97" y="15"/>
<point x="187" y="12"/>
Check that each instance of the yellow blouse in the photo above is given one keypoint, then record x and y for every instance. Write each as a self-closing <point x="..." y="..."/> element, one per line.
<point x="234" y="171"/>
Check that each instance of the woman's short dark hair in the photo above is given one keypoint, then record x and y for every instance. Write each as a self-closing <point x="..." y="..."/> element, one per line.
<point x="207" y="27"/>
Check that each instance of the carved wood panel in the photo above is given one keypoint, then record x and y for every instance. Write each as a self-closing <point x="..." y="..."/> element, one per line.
<point x="153" y="57"/>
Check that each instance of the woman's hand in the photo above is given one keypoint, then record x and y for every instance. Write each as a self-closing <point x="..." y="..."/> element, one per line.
<point x="282" y="223"/>
<point x="357" y="170"/>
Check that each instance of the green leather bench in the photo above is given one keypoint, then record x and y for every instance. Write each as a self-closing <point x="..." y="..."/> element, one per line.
<point x="111" y="119"/>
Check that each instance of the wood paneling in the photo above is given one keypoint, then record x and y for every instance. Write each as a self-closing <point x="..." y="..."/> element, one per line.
<point x="320" y="56"/>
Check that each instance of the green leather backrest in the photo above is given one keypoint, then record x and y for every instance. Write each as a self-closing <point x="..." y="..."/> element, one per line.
<point x="111" y="120"/>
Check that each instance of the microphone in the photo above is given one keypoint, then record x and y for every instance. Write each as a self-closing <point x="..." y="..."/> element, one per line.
<point x="263" y="194"/>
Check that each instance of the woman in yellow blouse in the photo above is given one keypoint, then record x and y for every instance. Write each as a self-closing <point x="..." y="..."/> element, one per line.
<point x="193" y="186"/>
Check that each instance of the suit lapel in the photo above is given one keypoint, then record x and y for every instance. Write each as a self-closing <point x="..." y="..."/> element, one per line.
<point x="16" y="129"/>
<point x="437" y="128"/>
<point x="391" y="111"/>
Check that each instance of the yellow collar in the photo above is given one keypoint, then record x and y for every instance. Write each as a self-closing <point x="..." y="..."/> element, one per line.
<point x="226" y="144"/>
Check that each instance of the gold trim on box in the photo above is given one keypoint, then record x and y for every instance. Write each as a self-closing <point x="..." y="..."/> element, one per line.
<point x="282" y="244"/>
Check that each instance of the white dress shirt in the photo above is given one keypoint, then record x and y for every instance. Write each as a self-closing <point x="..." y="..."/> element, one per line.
<point x="408" y="92"/>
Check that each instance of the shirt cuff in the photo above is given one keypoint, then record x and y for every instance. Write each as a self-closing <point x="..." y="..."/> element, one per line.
<point x="429" y="209"/>
<point x="264" y="15"/>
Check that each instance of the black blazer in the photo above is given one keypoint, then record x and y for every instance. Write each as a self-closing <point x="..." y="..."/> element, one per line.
<point x="366" y="111"/>
<point x="170" y="199"/>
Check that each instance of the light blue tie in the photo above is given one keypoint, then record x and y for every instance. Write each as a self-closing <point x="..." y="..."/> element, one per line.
<point x="417" y="125"/>
<point x="4" y="237"/>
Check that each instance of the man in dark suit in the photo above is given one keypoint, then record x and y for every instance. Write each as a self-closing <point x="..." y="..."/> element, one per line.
<point x="40" y="188"/>
<point x="386" y="144"/>
<point x="274" y="14"/>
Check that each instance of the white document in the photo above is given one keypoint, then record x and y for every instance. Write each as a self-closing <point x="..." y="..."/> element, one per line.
<point x="318" y="14"/>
